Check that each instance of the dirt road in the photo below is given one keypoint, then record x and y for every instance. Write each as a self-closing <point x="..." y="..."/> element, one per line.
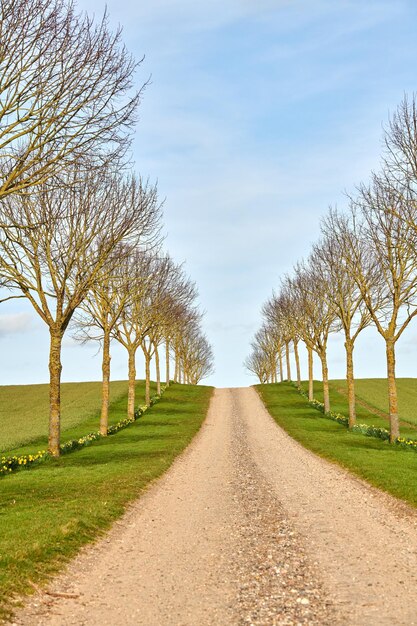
<point x="247" y="527"/>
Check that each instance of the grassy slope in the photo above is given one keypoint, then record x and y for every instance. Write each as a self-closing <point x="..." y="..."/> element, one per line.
<point x="24" y="409"/>
<point x="374" y="392"/>
<point x="48" y="512"/>
<point x="339" y="404"/>
<point x="387" y="467"/>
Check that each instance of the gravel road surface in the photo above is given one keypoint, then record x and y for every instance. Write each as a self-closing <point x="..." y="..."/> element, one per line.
<point x="247" y="527"/>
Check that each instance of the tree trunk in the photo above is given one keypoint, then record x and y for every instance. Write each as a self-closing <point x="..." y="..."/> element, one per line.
<point x="281" y="373"/>
<point x="325" y="374"/>
<point x="310" y="374"/>
<point x="287" y="357"/>
<point x="147" y="379"/>
<point x="132" y="384"/>
<point x="350" y="381"/>
<point x="176" y="369"/>
<point x="105" y="393"/>
<point x="167" y="363"/>
<point x="297" y="362"/>
<point x="55" y="368"/>
<point x="392" y="391"/>
<point x="158" y="371"/>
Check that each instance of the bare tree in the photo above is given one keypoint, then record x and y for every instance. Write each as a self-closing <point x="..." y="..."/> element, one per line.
<point x="341" y="290"/>
<point x="197" y="355"/>
<point x="141" y="320"/>
<point x="294" y="317"/>
<point x="173" y="292"/>
<point x="158" y="310"/>
<point x="269" y="339"/>
<point x="101" y="309"/>
<point x="400" y="159"/>
<point x="314" y="318"/>
<point x="169" y="285"/>
<point x="265" y="358"/>
<point x="55" y="244"/>
<point x="277" y="311"/>
<point x="65" y="86"/>
<point x="382" y="258"/>
<point x="258" y="363"/>
<point x="135" y="319"/>
<point x="181" y="315"/>
<point x="187" y="317"/>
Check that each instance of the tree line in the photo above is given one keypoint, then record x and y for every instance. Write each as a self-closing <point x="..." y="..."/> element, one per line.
<point x="362" y="271"/>
<point x="80" y="230"/>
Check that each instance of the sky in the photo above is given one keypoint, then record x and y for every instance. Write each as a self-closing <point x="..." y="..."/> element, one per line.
<point x="258" y="116"/>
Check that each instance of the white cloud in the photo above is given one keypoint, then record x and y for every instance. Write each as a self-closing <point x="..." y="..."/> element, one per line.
<point x="15" y="323"/>
<point x="70" y="342"/>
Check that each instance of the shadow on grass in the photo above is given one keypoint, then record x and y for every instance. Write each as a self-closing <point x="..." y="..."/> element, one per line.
<point x="104" y="457"/>
<point x="170" y="410"/>
<point x="42" y="443"/>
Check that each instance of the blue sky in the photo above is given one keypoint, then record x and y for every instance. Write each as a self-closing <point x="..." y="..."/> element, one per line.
<point x="258" y="116"/>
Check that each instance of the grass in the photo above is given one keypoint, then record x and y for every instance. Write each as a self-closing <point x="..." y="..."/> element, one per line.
<point x="374" y="391"/>
<point x="48" y="512"/>
<point x="383" y="465"/>
<point x="24" y="411"/>
<point x="339" y="404"/>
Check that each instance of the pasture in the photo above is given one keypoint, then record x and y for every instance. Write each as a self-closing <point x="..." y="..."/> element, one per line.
<point x="24" y="411"/>
<point x="370" y="402"/>
<point x="373" y="391"/>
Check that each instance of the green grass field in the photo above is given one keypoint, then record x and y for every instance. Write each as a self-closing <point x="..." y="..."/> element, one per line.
<point x="24" y="410"/>
<point x="339" y="404"/>
<point x="49" y="511"/>
<point x="374" y="392"/>
<point x="386" y="466"/>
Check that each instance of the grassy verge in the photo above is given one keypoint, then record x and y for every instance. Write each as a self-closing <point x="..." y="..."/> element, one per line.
<point x="24" y="409"/>
<point x="388" y="467"/>
<point x="50" y="511"/>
